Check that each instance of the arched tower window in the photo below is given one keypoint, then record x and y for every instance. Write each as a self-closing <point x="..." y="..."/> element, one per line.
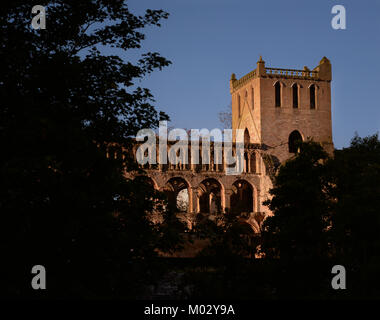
<point x="295" y="139"/>
<point x="239" y="111"/>
<point x="277" y="89"/>
<point x="247" y="138"/>
<point x="295" y="95"/>
<point x="312" y="96"/>
<point x="252" y="98"/>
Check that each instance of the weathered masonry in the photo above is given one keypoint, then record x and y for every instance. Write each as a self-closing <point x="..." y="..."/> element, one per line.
<point x="275" y="108"/>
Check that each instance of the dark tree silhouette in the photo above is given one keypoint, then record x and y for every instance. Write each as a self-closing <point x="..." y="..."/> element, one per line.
<point x="356" y="219"/>
<point x="300" y="206"/>
<point x="63" y="204"/>
<point x="326" y="210"/>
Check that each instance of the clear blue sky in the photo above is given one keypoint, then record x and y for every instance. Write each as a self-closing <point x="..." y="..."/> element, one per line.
<point x="207" y="40"/>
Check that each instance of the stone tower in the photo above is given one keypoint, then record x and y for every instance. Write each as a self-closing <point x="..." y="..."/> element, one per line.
<point x="277" y="107"/>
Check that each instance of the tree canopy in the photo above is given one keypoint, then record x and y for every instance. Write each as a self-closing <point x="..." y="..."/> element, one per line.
<point x="326" y="210"/>
<point x="63" y="203"/>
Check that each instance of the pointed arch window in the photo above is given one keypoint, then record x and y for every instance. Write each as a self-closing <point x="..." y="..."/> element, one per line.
<point x="277" y="89"/>
<point x="253" y="98"/>
<point x="295" y="95"/>
<point x="239" y="107"/>
<point x="247" y="138"/>
<point x="312" y="96"/>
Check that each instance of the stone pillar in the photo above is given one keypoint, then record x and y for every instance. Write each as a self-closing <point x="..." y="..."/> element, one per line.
<point x="257" y="162"/>
<point x="260" y="70"/>
<point x="192" y="159"/>
<point x="227" y="199"/>
<point x="324" y="69"/>
<point x="232" y="82"/>
<point x="210" y="198"/>
<point x="256" y="200"/>
<point x="218" y="156"/>
<point x="193" y="200"/>
<point x="253" y="162"/>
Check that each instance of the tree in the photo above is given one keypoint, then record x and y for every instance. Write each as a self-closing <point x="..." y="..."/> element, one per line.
<point x="301" y="206"/>
<point x="229" y="236"/>
<point x="63" y="203"/>
<point x="356" y="219"/>
<point x="225" y="117"/>
<point x="295" y="238"/>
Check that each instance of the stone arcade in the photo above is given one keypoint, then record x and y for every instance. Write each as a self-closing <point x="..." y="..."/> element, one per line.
<point x="275" y="108"/>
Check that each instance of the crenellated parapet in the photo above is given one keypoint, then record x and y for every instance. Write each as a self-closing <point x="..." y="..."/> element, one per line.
<point x="320" y="73"/>
<point x="235" y="84"/>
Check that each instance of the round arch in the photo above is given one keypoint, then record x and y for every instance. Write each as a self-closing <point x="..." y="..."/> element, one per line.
<point x="210" y="192"/>
<point x="295" y="138"/>
<point x="177" y="190"/>
<point x="242" y="198"/>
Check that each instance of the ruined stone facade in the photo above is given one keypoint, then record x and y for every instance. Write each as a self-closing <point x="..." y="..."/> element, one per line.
<point x="275" y="108"/>
<point x="271" y="103"/>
